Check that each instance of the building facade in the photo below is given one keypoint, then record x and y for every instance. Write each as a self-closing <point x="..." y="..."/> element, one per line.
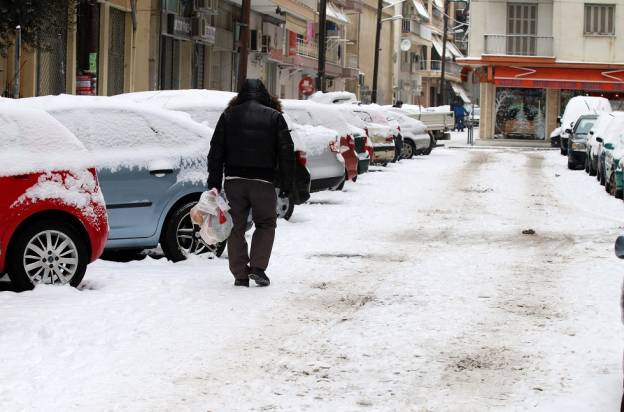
<point x="531" y="57"/>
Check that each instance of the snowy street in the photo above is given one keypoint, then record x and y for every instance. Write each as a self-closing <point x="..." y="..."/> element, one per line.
<point x="415" y="289"/>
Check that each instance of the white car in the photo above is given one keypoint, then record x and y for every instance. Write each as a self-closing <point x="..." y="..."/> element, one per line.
<point x="576" y="107"/>
<point x="605" y="128"/>
<point x="416" y="140"/>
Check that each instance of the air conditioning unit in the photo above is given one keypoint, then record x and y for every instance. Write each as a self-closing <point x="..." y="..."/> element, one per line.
<point x="202" y="30"/>
<point x="266" y="44"/>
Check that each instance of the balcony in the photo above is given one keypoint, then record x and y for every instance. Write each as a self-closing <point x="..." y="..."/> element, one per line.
<point x="518" y="45"/>
<point x="414" y="27"/>
<point x="310" y="49"/>
<point x="450" y="68"/>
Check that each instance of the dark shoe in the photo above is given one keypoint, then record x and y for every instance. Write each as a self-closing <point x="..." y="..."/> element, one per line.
<point x="241" y="282"/>
<point x="258" y="276"/>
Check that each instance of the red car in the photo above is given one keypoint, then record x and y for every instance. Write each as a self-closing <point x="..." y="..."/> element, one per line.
<point x="52" y="214"/>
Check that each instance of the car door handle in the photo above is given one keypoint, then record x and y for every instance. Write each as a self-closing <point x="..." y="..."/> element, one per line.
<point x="161" y="172"/>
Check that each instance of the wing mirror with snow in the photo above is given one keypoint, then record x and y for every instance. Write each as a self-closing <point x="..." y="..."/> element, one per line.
<point x="599" y="139"/>
<point x="568" y="131"/>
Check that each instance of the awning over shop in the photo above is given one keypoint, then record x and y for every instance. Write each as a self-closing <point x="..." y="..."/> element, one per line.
<point x="560" y="78"/>
<point x="460" y="92"/>
<point x="335" y="14"/>
<point x="296" y="25"/>
<point x="421" y="9"/>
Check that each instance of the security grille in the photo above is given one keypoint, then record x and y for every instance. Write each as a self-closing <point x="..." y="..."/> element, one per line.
<point x="116" y="49"/>
<point x="199" y="54"/>
<point x="599" y="19"/>
<point x="51" y="64"/>
<point x="521" y="29"/>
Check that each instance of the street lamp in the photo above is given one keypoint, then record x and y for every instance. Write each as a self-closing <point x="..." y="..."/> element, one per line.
<point x="380" y="7"/>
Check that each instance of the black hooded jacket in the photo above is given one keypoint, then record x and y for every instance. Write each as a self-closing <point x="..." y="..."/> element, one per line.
<point x="252" y="140"/>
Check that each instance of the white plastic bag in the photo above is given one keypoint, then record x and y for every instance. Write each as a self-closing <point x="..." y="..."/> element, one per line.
<point x="211" y="214"/>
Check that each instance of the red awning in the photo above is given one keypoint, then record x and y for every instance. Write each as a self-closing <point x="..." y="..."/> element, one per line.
<point x="560" y="78"/>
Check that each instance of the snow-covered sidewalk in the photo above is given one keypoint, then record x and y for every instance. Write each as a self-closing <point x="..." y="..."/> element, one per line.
<point x="414" y="289"/>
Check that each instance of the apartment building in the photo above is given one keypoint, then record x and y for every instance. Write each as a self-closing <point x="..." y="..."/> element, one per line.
<point x="420" y="50"/>
<point x="531" y="57"/>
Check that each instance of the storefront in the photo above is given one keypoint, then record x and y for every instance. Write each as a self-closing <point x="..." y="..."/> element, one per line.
<point x="523" y="101"/>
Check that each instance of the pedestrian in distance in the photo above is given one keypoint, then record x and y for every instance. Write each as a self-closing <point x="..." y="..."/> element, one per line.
<point x="460" y="113"/>
<point x="252" y="147"/>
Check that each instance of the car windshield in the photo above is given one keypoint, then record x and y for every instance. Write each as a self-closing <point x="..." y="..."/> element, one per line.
<point x="584" y="126"/>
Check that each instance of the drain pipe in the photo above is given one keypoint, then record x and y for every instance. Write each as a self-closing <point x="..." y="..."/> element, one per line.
<point x="16" y="63"/>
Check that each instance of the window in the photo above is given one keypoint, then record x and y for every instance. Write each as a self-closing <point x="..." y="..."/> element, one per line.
<point x="599" y="19"/>
<point x="521" y="29"/>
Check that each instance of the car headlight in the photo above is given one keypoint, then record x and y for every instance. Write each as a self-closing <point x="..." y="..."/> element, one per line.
<point x="579" y="147"/>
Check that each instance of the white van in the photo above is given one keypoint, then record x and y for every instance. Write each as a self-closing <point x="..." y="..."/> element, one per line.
<point x="576" y="107"/>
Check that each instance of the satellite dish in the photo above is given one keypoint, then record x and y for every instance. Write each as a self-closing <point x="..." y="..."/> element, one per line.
<point x="405" y="45"/>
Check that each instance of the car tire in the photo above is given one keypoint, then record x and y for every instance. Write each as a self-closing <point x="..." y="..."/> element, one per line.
<point x="180" y="237"/>
<point x="603" y="179"/>
<point x="608" y="183"/>
<point x="432" y="143"/>
<point x="587" y="164"/>
<point x="45" y="240"/>
<point x="409" y="148"/>
<point x="571" y="165"/>
<point x="285" y="208"/>
<point x="592" y="169"/>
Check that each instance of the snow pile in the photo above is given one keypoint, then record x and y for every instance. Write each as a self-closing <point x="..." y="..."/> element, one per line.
<point x="77" y="188"/>
<point x="333" y="97"/>
<point x="33" y="141"/>
<point x="315" y="138"/>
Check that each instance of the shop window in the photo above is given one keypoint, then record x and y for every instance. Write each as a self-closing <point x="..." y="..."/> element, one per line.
<point x="116" y="52"/>
<point x="599" y="19"/>
<point x="87" y="48"/>
<point x="520" y="113"/>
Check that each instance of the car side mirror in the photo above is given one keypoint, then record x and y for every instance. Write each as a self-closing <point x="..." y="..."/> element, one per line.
<point x="571" y="124"/>
<point x="591" y="132"/>
<point x="619" y="247"/>
<point x="568" y="131"/>
<point x="608" y="146"/>
<point x="599" y="139"/>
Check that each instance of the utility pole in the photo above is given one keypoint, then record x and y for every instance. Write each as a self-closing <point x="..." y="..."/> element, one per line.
<point x="244" y="43"/>
<point x="322" y="45"/>
<point x="18" y="51"/>
<point x="376" y="63"/>
<point x="442" y="95"/>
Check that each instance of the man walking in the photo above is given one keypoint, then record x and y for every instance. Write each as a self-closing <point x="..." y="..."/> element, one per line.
<point x="252" y="145"/>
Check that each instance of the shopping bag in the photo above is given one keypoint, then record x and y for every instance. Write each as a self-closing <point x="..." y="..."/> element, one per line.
<point x="212" y="216"/>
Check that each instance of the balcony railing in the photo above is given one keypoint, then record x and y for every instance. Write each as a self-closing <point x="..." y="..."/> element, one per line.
<point x="310" y="49"/>
<point x="450" y="68"/>
<point x="414" y="27"/>
<point x="518" y="45"/>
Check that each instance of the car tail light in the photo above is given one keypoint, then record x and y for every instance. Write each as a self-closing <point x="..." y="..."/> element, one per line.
<point x="301" y="157"/>
<point x="351" y="142"/>
<point x="390" y="139"/>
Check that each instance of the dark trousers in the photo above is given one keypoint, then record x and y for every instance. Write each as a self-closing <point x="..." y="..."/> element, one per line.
<point x="259" y="198"/>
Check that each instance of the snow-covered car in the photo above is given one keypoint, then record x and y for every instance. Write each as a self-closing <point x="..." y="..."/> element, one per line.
<point x="416" y="140"/>
<point x="607" y="127"/>
<point x="357" y="129"/>
<point x="555" y="137"/>
<point x="613" y="156"/>
<point x="439" y="120"/>
<point x="379" y="131"/>
<point x="316" y="114"/>
<point x="577" y="142"/>
<point x="577" y="106"/>
<point x="52" y="213"/>
<point x="152" y="167"/>
<point x="206" y="106"/>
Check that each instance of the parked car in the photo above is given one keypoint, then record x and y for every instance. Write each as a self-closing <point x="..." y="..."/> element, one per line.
<point x="577" y="142"/>
<point x="607" y="124"/>
<point x="379" y="131"/>
<point x="577" y="106"/>
<point x="613" y="153"/>
<point x="152" y="167"/>
<point x="52" y="214"/>
<point x="206" y="106"/>
<point x="439" y="120"/>
<point x="416" y="140"/>
<point x="619" y="252"/>
<point x="316" y="114"/>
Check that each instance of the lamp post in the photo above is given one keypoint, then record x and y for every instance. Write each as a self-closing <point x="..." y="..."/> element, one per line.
<point x="377" y="40"/>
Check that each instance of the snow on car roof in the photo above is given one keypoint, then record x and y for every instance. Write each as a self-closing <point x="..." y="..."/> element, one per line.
<point x="33" y="141"/>
<point x="123" y="133"/>
<point x="580" y="105"/>
<point x="333" y="97"/>
<point x="323" y="115"/>
<point x="176" y="99"/>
